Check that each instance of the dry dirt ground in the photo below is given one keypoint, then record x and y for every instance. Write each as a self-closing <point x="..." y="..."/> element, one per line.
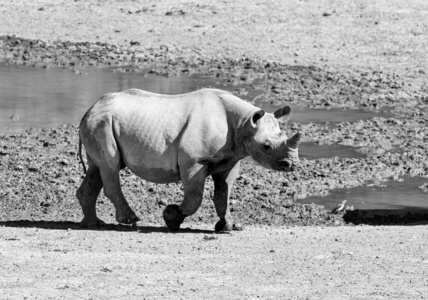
<point x="259" y="263"/>
<point x="387" y="39"/>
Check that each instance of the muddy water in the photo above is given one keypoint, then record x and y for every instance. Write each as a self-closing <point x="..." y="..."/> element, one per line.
<point x="313" y="151"/>
<point x="31" y="97"/>
<point x="403" y="194"/>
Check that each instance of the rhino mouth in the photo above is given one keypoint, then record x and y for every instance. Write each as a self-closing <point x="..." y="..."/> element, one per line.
<point x="285" y="165"/>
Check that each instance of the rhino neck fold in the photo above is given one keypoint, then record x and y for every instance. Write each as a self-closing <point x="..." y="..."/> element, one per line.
<point x="238" y="114"/>
<point x="238" y="134"/>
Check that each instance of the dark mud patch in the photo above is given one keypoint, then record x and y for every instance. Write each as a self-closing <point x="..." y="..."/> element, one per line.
<point x="40" y="173"/>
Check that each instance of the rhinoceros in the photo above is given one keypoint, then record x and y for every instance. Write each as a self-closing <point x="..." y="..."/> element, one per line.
<point x="172" y="138"/>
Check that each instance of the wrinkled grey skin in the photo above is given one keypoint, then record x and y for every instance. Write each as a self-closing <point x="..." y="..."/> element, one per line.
<point x="165" y="139"/>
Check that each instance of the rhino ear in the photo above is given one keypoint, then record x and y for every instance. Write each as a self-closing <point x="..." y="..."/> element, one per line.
<point x="256" y="117"/>
<point x="283" y="114"/>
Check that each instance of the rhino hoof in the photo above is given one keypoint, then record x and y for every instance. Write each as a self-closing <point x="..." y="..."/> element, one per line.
<point x="223" y="225"/>
<point x="92" y="223"/>
<point x="127" y="219"/>
<point x="173" y="217"/>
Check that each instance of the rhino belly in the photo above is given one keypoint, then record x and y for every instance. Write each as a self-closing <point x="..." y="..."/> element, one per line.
<point x="152" y="164"/>
<point x="156" y="175"/>
<point x="149" y="145"/>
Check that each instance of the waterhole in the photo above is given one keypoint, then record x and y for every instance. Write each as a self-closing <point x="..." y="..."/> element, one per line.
<point x="32" y="97"/>
<point x="402" y="194"/>
<point x="313" y="151"/>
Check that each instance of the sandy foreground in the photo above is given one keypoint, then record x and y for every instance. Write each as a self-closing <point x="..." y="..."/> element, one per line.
<point x="356" y="262"/>
<point x="259" y="263"/>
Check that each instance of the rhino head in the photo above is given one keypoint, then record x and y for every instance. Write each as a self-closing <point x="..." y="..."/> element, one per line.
<point x="267" y="145"/>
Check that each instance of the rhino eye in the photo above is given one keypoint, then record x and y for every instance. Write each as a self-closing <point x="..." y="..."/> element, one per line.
<point x="267" y="145"/>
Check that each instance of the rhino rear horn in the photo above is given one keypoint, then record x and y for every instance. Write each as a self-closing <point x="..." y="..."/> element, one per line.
<point x="294" y="141"/>
<point x="283" y="114"/>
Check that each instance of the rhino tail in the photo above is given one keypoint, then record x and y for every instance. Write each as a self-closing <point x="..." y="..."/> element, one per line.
<point x="80" y="155"/>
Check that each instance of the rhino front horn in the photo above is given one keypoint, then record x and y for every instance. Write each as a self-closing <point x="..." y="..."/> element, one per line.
<point x="294" y="141"/>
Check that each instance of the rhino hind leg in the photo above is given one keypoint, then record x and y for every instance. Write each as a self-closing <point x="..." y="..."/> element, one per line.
<point x="104" y="152"/>
<point x="223" y="183"/>
<point x="113" y="191"/>
<point x="87" y="195"/>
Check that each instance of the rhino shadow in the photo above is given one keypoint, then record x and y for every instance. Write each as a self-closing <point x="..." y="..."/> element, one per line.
<point x="66" y="225"/>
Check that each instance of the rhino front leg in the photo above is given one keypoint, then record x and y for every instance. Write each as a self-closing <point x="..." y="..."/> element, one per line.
<point x="223" y="183"/>
<point x="193" y="181"/>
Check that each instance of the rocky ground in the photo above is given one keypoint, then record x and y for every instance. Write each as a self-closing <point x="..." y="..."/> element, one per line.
<point x="316" y="54"/>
